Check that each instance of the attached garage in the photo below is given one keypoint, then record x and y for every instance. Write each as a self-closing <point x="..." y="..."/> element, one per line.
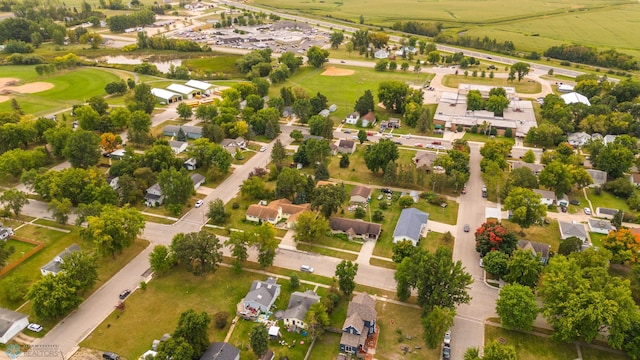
<point x="165" y="96"/>
<point x="11" y="323"/>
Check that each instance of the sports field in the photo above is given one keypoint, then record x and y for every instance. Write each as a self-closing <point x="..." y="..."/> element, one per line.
<point x="68" y="88"/>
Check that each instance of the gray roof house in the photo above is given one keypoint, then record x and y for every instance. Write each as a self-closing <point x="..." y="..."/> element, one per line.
<point x="536" y="248"/>
<point x="411" y="225"/>
<point x="599" y="177"/>
<point x="600" y="226"/>
<point x="221" y="351"/>
<point x="355" y="228"/>
<point x="259" y="299"/>
<point x="359" y="325"/>
<point x="53" y="266"/>
<point x="192" y="132"/>
<point x="11" y="323"/>
<point x="535" y="168"/>
<point x="154" y="196"/>
<point x="546" y="197"/>
<point x="197" y="180"/>
<point x="606" y="212"/>
<point x="299" y="304"/>
<point x="569" y="229"/>
<point x="346" y="146"/>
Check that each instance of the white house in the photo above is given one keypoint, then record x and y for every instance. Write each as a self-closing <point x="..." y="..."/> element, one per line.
<point x="352" y="118"/>
<point x="299" y="304"/>
<point x="259" y="299"/>
<point x="565" y="88"/>
<point x="165" y="96"/>
<point x="11" y="323"/>
<point x="360" y="194"/>
<point x="412" y="225"/>
<point x="190" y="164"/>
<point x="186" y="91"/>
<point x="574" y="97"/>
<point x="154" y="196"/>
<point x="53" y="266"/>
<point x="178" y="146"/>
<point x="197" y="180"/>
<point x="546" y="197"/>
<point x="569" y="229"/>
<point x="205" y="87"/>
<point x="600" y="226"/>
<point x="578" y="139"/>
<point x="381" y="54"/>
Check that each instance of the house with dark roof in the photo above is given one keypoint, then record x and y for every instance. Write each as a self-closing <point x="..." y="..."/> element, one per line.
<point x="600" y="226"/>
<point x="221" y="351"/>
<point x="197" y="180"/>
<point x="546" y="197"/>
<point x="192" y="132"/>
<point x="536" y="169"/>
<point x="635" y="179"/>
<point x="360" y="194"/>
<point x="355" y="228"/>
<point x="11" y="324"/>
<point x="346" y="146"/>
<point x="352" y="118"/>
<point x="599" y="177"/>
<point x="299" y="304"/>
<point x="569" y="229"/>
<point x="424" y="161"/>
<point x="359" y="325"/>
<point x="412" y="225"/>
<point x="269" y="355"/>
<point x="261" y="296"/>
<point x="606" y="213"/>
<point x="537" y="249"/>
<point x="153" y="196"/>
<point x="53" y="266"/>
<point x="275" y="211"/>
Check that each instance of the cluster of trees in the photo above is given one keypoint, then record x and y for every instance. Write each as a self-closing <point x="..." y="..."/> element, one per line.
<point x="591" y="56"/>
<point x="430" y="29"/>
<point x="493" y="165"/>
<point x="119" y="23"/>
<point x="485" y="43"/>
<point x="623" y="245"/>
<point x="615" y="158"/>
<point x="164" y="43"/>
<point x="455" y="163"/>
<point x="563" y="170"/>
<point x="496" y="103"/>
<point x="190" y="339"/>
<point x="257" y="64"/>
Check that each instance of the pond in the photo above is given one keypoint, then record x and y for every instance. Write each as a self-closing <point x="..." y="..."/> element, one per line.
<point x="162" y="66"/>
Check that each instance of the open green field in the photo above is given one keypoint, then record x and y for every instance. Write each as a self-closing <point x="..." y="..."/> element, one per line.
<point x="225" y="64"/>
<point x="607" y="200"/>
<point x="522" y="87"/>
<point x="70" y="87"/>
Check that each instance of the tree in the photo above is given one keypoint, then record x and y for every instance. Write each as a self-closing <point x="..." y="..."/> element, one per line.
<point x="524" y="268"/>
<point x="14" y="200"/>
<point x="53" y="296"/>
<point x="316" y="56"/>
<point x="328" y="199"/>
<point x="365" y="103"/>
<point x="82" y="149"/>
<point x="379" y="155"/>
<point x="143" y="99"/>
<point x="517" y="307"/>
<point x="436" y="323"/>
<point x="114" y="229"/>
<point x="401" y="250"/>
<point x="290" y="182"/>
<point x="88" y="117"/>
<point x="321" y="172"/>
<point x="569" y="245"/>
<point x="184" y="111"/>
<point x="522" y="177"/>
<point x="160" y="259"/>
<point x="254" y="188"/>
<point x="310" y="227"/>
<point x="362" y="136"/>
<point x="336" y="39"/>
<point x="194" y="329"/>
<point x="239" y="243"/>
<point x="278" y="153"/>
<point x="525" y="207"/>
<point x="259" y="339"/>
<point x="176" y="349"/>
<point x="492" y="236"/>
<point x="176" y="186"/>
<point x="392" y="94"/>
<point x="296" y="135"/>
<point x="615" y="159"/>
<point x="474" y="100"/>
<point x="321" y="126"/>
<point x="497" y="104"/>
<point x="496" y="351"/>
<point x="316" y="319"/>
<point x="6" y="250"/>
<point x="139" y="127"/>
<point x="521" y="68"/>
<point x="557" y="176"/>
<point x="199" y="252"/>
<point x="529" y="157"/>
<point x="623" y="244"/>
<point x="344" y="161"/>
<point x="81" y="268"/>
<point x="495" y="263"/>
<point x="346" y="272"/>
<point x="265" y="241"/>
<point x="217" y="213"/>
<point x="110" y="142"/>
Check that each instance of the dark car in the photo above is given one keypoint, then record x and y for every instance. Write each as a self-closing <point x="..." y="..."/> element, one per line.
<point x="386" y="191"/>
<point x="110" y="356"/>
<point x="123" y="295"/>
<point x="446" y="353"/>
<point x="563" y="209"/>
<point x="575" y="202"/>
<point x="398" y="142"/>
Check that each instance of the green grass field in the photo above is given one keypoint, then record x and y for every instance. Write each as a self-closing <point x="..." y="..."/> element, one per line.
<point x="523" y="87"/>
<point x="225" y="64"/>
<point x="70" y="87"/>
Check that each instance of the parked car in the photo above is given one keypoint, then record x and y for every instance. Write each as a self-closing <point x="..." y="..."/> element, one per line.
<point x="587" y="211"/>
<point x="347" y="131"/>
<point x="306" y="268"/>
<point x="123" y="295"/>
<point x="467" y="228"/>
<point x="199" y="203"/>
<point x="34" y="327"/>
<point x="447" y="338"/>
<point x="481" y="263"/>
<point x="563" y="209"/>
<point x="398" y="142"/>
<point x="110" y="356"/>
<point x="464" y="190"/>
<point x="446" y="353"/>
<point x="263" y="149"/>
<point x="436" y="142"/>
<point x="575" y="202"/>
<point x="386" y="190"/>
<point x="418" y="145"/>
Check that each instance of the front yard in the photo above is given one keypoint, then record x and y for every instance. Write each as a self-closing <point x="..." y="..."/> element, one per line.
<point x="546" y="234"/>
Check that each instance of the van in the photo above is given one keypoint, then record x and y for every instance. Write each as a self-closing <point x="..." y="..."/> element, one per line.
<point x="110" y="356"/>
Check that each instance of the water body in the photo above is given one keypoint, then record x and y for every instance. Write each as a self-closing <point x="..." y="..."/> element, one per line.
<point x="163" y="66"/>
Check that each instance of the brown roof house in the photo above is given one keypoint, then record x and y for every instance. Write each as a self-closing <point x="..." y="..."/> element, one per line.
<point x="536" y="249"/>
<point x="536" y="169"/>
<point x="346" y="146"/>
<point x="360" y="194"/>
<point x="355" y="228"/>
<point x="368" y="119"/>
<point x="359" y="325"/>
<point x="424" y="161"/>
<point x="635" y="179"/>
<point x="275" y="211"/>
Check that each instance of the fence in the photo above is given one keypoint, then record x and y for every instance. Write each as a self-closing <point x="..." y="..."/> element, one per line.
<point x="24" y="257"/>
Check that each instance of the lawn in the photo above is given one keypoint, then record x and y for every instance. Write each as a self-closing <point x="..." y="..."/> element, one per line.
<point x="433" y="241"/>
<point x="546" y="234"/>
<point x="607" y="200"/>
<point x="326" y="347"/>
<point x="327" y="252"/>
<point x="469" y="136"/>
<point x="219" y="64"/>
<point x="66" y="90"/>
<point x="596" y="239"/>
<point x="20" y="248"/>
<point x="522" y="87"/>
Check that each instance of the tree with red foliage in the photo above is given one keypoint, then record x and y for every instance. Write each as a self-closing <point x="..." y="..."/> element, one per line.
<point x="492" y="236"/>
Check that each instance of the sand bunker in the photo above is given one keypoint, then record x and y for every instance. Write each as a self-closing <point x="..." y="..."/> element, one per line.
<point x="11" y="85"/>
<point x="332" y="71"/>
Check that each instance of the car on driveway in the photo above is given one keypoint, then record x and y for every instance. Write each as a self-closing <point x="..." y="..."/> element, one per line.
<point x="587" y="211"/>
<point x="446" y="353"/>
<point x="563" y="209"/>
<point x="34" y="327"/>
<point x="199" y="203"/>
<point x="575" y="202"/>
<point x="467" y="228"/>
<point x="123" y="295"/>
<point x="447" y="338"/>
<point x="386" y="191"/>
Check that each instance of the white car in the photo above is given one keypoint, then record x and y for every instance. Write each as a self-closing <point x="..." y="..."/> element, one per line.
<point x="306" y="268"/>
<point x="447" y="337"/>
<point x="263" y="149"/>
<point x="34" y="327"/>
<point x="587" y="211"/>
<point x="199" y="203"/>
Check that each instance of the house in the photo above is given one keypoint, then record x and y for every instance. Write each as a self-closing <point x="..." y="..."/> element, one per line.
<point x="569" y="229"/>
<point x="360" y="194"/>
<point x="190" y="164"/>
<point x="113" y="182"/>
<point x="324" y="113"/>
<point x="355" y="228"/>
<point x="384" y="125"/>
<point x="117" y="154"/>
<point x="368" y="119"/>
<point x="565" y="88"/>
<point x="606" y="213"/>
<point x="154" y="196"/>
<point x="536" y="169"/>
<point x="346" y="146"/>
<point x="229" y="145"/>
<point x="599" y="177"/>
<point x="186" y="91"/>
<point x="381" y="54"/>
<point x="192" y="132"/>
<point x="334" y="149"/>
<point x="5" y="232"/>
<point x="165" y="96"/>
<point x="393" y="123"/>
<point x="275" y="211"/>
<point x="299" y="304"/>
<point x="609" y="139"/>
<point x="574" y="97"/>
<point x="635" y="179"/>
<point x="537" y="249"/>
<point x="424" y="160"/>
<point x="178" y="146"/>
<point x="11" y="323"/>
<point x="600" y="226"/>
<point x="198" y="180"/>
<point x="205" y="87"/>
<point x="412" y="225"/>
<point x="240" y="142"/>
<point x="53" y="266"/>
<point x="352" y="118"/>
<point x="221" y="351"/>
<point x="269" y="355"/>
<point x="546" y="197"/>
<point x="359" y="325"/>
<point x="578" y="139"/>
<point x="261" y="296"/>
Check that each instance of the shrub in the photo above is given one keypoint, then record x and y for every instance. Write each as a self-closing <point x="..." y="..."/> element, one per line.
<point x="508" y="133"/>
<point x="235" y="206"/>
<point x="474" y="129"/>
<point x="294" y="281"/>
<point x="220" y="319"/>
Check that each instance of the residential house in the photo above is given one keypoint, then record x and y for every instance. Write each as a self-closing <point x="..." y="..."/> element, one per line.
<point x="346" y="146"/>
<point x="154" y="196"/>
<point x="113" y="182"/>
<point x="565" y="88"/>
<point x="359" y="325"/>
<point x="537" y="249"/>
<point x="606" y="213"/>
<point x="578" y="139"/>
<point x="165" y="96"/>
<point x="546" y="197"/>
<point x="178" y="146"/>
<point x="5" y="232"/>
<point x="205" y="87"/>
<point x="384" y="125"/>
<point x="536" y="169"/>
<point x="269" y="355"/>
<point x="352" y="118"/>
<point x="334" y="149"/>
<point x="635" y="180"/>
<point x="393" y="123"/>
<point x="609" y="139"/>
<point x="276" y="211"/>
<point x="192" y="132"/>
<point x="569" y="229"/>
<point x="360" y="194"/>
<point x="190" y="164"/>
<point x="198" y="180"/>
<point x="117" y="154"/>
<point x="261" y="296"/>
<point x="11" y="324"/>
<point x="574" y="97"/>
<point x="424" y="161"/>
<point x="229" y="145"/>
<point x="325" y="183"/>
<point x="221" y="351"/>
<point x="324" y="113"/>
<point x="412" y="225"/>
<point x="600" y="226"/>
<point x="368" y="119"/>
<point x="53" y="266"/>
<point x="240" y="142"/>
<point x="186" y="91"/>
<point x="599" y="177"/>
<point x="381" y="54"/>
<point x="355" y="228"/>
<point x="299" y="304"/>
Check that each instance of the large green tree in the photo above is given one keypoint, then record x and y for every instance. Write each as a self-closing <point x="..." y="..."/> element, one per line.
<point x="316" y="319"/>
<point x="392" y="94"/>
<point x="346" y="272"/>
<point x="175" y="349"/>
<point x="160" y="259"/>
<point x="328" y="199"/>
<point x="525" y="207"/>
<point x="377" y="156"/>
<point x="524" y="268"/>
<point x="176" y="186"/>
<point x="436" y="323"/>
<point x="82" y="149"/>
<point x="615" y="159"/>
<point x="53" y="296"/>
<point x="114" y="229"/>
<point x="199" y="252"/>
<point x="492" y="236"/>
<point x="81" y="268"/>
<point x="517" y="307"/>
<point x="193" y="327"/>
<point x="521" y="69"/>
<point x="310" y="227"/>
<point x="316" y="56"/>
<point x="14" y="200"/>
<point x="259" y="339"/>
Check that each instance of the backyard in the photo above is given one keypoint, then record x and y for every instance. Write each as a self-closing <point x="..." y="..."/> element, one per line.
<point x="546" y="234"/>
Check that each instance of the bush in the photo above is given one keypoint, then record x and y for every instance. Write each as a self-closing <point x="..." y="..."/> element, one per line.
<point x="143" y="285"/>
<point x="294" y="281"/>
<point x="621" y="187"/>
<point x="474" y="129"/>
<point x="378" y="216"/>
<point x="459" y="128"/>
<point x="493" y="131"/>
<point x="235" y="206"/>
<point x="220" y="319"/>
<point x="508" y="133"/>
<point x="383" y="205"/>
<point x="360" y="212"/>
